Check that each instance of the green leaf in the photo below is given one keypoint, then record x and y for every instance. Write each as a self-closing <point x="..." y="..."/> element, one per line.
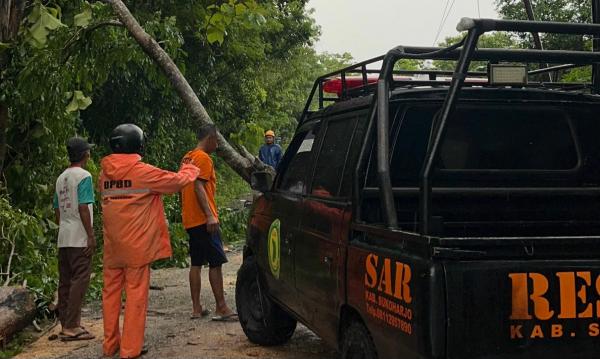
<point x="43" y="21"/>
<point x="240" y="9"/>
<point x="83" y="19"/>
<point x="4" y="46"/>
<point x="214" y="34"/>
<point x="78" y="102"/>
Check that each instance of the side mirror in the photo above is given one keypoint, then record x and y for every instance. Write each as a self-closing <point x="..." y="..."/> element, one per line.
<point x="261" y="181"/>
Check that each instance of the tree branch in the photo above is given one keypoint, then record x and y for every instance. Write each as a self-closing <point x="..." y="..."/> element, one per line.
<point x="86" y="30"/>
<point x="12" y="253"/>
<point x="240" y="164"/>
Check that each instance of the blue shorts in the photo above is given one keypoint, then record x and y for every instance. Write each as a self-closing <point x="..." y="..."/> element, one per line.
<point x="205" y="248"/>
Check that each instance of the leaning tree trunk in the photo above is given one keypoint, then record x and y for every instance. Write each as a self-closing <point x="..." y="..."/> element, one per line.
<point x="244" y="164"/>
<point x="11" y="15"/>
<point x="17" y="309"/>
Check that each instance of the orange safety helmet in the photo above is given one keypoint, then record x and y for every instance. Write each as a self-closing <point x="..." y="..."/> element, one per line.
<point x="270" y="133"/>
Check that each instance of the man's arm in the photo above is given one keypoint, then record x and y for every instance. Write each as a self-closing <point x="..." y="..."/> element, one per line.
<point x="166" y="182"/>
<point x="212" y="224"/>
<point x="86" y="219"/>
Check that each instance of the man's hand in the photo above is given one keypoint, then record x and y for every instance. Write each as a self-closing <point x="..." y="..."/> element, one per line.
<point x="212" y="224"/>
<point x="91" y="246"/>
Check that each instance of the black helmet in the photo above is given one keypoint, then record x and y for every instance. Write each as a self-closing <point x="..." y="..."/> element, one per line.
<point x="127" y="138"/>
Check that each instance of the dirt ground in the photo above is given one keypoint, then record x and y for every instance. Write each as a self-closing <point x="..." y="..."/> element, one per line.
<point x="170" y="333"/>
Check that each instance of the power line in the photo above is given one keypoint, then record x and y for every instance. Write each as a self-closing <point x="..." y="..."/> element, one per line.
<point x="444" y="19"/>
<point x="441" y="20"/>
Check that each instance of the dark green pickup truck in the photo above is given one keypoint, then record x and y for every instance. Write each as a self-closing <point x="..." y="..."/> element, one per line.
<point x="432" y="214"/>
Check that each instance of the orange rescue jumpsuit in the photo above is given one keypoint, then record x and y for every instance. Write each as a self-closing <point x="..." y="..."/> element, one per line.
<point x="135" y="235"/>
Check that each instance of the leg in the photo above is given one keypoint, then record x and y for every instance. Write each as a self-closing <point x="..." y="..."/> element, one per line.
<point x="114" y="280"/>
<point x="216" y="258"/>
<point x="215" y="276"/>
<point x="64" y="284"/>
<point x="195" y="285"/>
<point x="197" y="259"/>
<point x="80" y="280"/>
<point x="137" y="286"/>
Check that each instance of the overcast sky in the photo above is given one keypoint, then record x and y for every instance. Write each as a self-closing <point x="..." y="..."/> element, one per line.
<point x="369" y="28"/>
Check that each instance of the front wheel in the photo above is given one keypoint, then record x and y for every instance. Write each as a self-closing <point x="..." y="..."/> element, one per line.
<point x="262" y="320"/>
<point x="357" y="342"/>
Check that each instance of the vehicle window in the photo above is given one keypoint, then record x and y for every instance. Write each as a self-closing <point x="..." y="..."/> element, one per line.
<point x="296" y="162"/>
<point x="332" y="157"/>
<point x="357" y="142"/>
<point x="508" y="139"/>
<point x="410" y="145"/>
<point x="477" y="138"/>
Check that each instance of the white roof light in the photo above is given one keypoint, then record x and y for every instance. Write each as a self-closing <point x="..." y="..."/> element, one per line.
<point x="502" y="74"/>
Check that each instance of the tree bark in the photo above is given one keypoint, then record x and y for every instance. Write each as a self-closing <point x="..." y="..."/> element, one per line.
<point x="11" y="15"/>
<point x="17" y="310"/>
<point x="243" y="165"/>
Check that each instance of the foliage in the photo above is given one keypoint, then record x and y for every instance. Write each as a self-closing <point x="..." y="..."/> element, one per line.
<point x="551" y="10"/>
<point x="233" y="224"/>
<point x="25" y="240"/>
<point x="72" y="71"/>
<point x="15" y="346"/>
<point x="491" y="40"/>
<point x="554" y="10"/>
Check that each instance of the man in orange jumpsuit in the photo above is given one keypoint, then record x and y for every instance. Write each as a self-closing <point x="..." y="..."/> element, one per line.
<point x="135" y="234"/>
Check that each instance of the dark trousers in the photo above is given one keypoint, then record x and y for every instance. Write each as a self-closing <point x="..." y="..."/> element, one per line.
<point x="74" y="269"/>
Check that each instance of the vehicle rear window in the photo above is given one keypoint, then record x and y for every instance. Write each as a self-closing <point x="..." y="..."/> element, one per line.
<point x="483" y="138"/>
<point x="508" y="139"/>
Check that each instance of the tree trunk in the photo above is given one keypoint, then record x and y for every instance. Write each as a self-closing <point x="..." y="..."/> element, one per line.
<point x="244" y="164"/>
<point x="11" y="15"/>
<point x="17" y="310"/>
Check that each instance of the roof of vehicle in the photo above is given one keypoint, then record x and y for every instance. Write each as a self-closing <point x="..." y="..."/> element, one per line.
<point x="472" y="93"/>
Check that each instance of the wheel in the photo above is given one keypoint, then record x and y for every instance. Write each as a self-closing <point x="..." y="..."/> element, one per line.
<point x="357" y="342"/>
<point x="262" y="320"/>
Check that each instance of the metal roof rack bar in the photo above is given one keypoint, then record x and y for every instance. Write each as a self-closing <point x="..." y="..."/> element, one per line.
<point x="486" y="25"/>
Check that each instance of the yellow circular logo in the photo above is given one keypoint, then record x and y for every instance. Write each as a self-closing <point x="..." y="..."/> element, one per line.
<point x="274" y="248"/>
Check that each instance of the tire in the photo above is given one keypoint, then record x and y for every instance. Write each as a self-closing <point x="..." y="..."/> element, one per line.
<point x="262" y="320"/>
<point x="357" y="342"/>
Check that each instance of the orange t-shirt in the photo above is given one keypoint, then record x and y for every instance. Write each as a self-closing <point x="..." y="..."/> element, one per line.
<point x="192" y="213"/>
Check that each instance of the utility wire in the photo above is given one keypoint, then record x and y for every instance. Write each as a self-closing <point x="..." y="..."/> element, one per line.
<point x="444" y="19"/>
<point x="441" y="20"/>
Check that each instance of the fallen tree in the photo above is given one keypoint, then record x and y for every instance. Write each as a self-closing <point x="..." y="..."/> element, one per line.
<point x="17" y="310"/>
<point x="242" y="162"/>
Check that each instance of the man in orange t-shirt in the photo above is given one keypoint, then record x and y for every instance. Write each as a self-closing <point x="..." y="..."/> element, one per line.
<point x="201" y="221"/>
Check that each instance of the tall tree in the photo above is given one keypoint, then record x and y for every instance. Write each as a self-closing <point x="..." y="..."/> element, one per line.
<point x="11" y="15"/>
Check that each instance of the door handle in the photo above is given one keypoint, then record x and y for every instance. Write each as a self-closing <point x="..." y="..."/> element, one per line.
<point x="286" y="241"/>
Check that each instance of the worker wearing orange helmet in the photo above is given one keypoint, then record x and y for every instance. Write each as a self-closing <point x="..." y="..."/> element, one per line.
<point x="135" y="235"/>
<point x="270" y="153"/>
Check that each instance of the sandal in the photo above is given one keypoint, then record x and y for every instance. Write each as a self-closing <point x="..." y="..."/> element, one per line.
<point x="233" y="317"/>
<point x="203" y="314"/>
<point x="84" y="335"/>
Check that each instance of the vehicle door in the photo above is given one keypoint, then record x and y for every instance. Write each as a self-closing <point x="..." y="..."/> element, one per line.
<point x="320" y="246"/>
<point x="286" y="201"/>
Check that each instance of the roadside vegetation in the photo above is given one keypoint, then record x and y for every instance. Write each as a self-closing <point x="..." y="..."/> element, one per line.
<point x="71" y="68"/>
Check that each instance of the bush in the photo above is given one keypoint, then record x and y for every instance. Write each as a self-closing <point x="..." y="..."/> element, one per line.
<point x="27" y="253"/>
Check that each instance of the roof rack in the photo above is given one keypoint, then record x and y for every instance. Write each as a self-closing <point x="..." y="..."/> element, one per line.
<point x="463" y="53"/>
<point x="566" y="59"/>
